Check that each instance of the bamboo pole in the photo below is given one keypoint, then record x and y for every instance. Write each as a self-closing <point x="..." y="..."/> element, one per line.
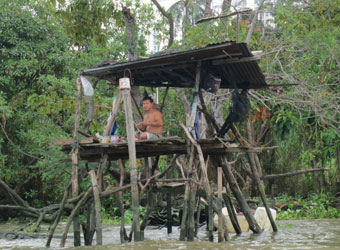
<point x="75" y="163"/>
<point x="97" y="207"/>
<point x="130" y="131"/>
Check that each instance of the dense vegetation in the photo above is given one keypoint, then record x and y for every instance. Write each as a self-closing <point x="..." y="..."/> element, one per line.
<point x="45" y="44"/>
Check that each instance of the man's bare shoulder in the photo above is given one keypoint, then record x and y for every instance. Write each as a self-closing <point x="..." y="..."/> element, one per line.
<point x="156" y="112"/>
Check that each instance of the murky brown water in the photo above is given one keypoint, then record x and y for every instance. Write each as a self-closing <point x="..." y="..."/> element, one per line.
<point x="302" y="234"/>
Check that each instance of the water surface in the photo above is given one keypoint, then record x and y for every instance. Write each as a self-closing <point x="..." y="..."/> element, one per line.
<point x="297" y="234"/>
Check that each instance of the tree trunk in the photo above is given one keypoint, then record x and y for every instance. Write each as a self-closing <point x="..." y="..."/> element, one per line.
<point x="207" y="9"/>
<point x="226" y="5"/>
<point x="253" y="22"/>
<point x="170" y="20"/>
<point x="131" y="41"/>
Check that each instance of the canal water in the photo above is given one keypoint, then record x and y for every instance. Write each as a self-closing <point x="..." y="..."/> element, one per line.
<point x="297" y="234"/>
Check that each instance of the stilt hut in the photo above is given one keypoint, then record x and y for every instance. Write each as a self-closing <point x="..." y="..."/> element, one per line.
<point x="236" y="68"/>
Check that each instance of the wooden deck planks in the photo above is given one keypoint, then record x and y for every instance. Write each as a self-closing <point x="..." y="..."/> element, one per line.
<point x="164" y="146"/>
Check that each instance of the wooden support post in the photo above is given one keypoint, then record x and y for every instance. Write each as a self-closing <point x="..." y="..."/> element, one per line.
<point x="168" y="209"/>
<point x="75" y="163"/>
<point x="97" y="206"/>
<point x="238" y="195"/>
<point x="130" y="131"/>
<point x="219" y="195"/>
<point x="232" y="214"/>
<point x="183" y="231"/>
<point x="205" y="181"/>
<point x="107" y="132"/>
<point x="74" y="213"/>
<point x="216" y="209"/>
<point x="90" y="227"/>
<point x="195" y="101"/>
<point x="150" y="195"/>
<point x="191" y="211"/>
<point x="119" y="196"/>
<point x="197" y="223"/>
<point x="208" y="117"/>
<point x="262" y="193"/>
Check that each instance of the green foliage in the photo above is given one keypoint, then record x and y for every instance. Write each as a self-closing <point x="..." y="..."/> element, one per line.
<point x="318" y="206"/>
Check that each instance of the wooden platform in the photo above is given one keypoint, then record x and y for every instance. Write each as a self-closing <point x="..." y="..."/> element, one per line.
<point x="92" y="152"/>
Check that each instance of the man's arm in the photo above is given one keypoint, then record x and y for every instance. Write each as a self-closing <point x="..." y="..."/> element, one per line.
<point x="141" y="126"/>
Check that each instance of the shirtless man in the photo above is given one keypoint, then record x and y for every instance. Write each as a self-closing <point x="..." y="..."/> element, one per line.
<point x="152" y="125"/>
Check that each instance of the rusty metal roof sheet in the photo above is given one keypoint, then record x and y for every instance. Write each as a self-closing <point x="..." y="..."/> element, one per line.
<point x="232" y="62"/>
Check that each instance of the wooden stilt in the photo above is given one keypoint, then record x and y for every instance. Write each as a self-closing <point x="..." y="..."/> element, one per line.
<point x="183" y="227"/>
<point x="89" y="228"/>
<point x="97" y="206"/>
<point x="133" y="164"/>
<point x="191" y="212"/>
<point x="197" y="222"/>
<point x="206" y="210"/>
<point x="150" y="195"/>
<point x="216" y="209"/>
<point x="219" y="194"/>
<point x="232" y="214"/>
<point x="123" y="234"/>
<point x="261" y="191"/>
<point x="256" y="168"/>
<point x="238" y="195"/>
<point x="168" y="209"/>
<point x="206" y="182"/>
<point x="183" y="231"/>
<point x="74" y="213"/>
<point x="195" y="101"/>
<point x="75" y="163"/>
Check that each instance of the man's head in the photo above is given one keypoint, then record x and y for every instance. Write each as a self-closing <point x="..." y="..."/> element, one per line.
<point x="147" y="103"/>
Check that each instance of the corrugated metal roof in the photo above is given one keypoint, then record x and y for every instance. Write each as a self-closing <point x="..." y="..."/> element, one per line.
<point x="233" y="62"/>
